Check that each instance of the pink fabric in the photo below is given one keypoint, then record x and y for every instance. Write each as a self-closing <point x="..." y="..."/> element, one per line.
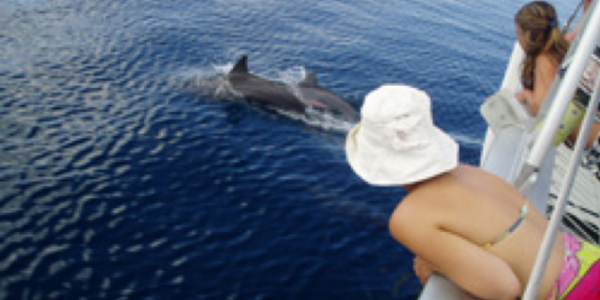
<point x="588" y="287"/>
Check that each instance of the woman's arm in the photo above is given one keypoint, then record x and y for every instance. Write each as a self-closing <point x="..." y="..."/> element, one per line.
<point x="570" y="37"/>
<point x="594" y="135"/>
<point x="545" y="73"/>
<point x="477" y="271"/>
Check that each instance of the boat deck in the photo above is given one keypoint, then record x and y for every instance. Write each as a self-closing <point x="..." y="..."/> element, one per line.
<point x="582" y="211"/>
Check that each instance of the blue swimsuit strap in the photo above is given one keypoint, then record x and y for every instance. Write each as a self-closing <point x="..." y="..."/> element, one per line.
<point x="524" y="212"/>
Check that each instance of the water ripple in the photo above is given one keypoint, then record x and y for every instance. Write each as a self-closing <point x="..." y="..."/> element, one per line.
<point x="118" y="183"/>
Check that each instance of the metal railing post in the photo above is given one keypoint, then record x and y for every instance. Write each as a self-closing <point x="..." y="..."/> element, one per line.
<point x="549" y="240"/>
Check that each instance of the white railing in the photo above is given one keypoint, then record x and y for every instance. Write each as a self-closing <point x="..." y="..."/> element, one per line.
<point x="587" y="44"/>
<point x="528" y="171"/>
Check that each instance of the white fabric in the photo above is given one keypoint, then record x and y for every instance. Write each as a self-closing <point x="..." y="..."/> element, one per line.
<point x="396" y="142"/>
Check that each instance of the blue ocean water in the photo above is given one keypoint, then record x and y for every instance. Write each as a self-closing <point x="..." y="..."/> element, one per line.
<point x="126" y="174"/>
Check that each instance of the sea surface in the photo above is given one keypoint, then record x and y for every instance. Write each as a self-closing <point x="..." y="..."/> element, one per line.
<point x="128" y="172"/>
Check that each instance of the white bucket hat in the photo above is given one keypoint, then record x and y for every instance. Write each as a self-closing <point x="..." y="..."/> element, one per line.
<point x="396" y="142"/>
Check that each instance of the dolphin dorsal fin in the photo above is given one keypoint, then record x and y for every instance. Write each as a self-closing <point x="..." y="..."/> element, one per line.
<point x="241" y="66"/>
<point x="310" y="80"/>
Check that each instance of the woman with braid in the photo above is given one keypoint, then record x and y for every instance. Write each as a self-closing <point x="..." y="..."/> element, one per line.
<point x="544" y="46"/>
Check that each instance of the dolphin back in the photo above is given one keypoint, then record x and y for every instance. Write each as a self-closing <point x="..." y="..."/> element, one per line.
<point x="276" y="94"/>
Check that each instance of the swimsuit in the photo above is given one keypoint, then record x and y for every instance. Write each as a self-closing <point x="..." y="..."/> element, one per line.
<point x="524" y="212"/>
<point x="580" y="276"/>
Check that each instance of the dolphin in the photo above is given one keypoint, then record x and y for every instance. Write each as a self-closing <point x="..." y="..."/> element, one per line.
<point x="311" y="92"/>
<point x="308" y="93"/>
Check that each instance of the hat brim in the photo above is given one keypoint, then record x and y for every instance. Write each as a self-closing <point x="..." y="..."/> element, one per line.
<point x="387" y="167"/>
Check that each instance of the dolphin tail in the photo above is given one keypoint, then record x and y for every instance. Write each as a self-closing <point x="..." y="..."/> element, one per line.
<point x="241" y="66"/>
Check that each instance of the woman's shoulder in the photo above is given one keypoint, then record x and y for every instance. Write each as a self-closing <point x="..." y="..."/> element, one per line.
<point x="464" y="183"/>
<point x="468" y="177"/>
<point x="547" y="61"/>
